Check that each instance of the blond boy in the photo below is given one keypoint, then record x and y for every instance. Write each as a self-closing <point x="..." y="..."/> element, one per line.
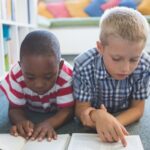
<point x="114" y="77"/>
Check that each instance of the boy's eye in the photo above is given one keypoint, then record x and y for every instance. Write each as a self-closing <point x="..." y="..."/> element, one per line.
<point x="48" y="77"/>
<point x="133" y="60"/>
<point x="116" y="59"/>
<point x="30" y="78"/>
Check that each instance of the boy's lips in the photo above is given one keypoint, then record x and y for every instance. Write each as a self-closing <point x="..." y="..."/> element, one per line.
<point x="122" y="75"/>
<point x="40" y="92"/>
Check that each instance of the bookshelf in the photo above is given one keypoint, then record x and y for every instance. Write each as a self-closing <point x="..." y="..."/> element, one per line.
<point x="17" y="19"/>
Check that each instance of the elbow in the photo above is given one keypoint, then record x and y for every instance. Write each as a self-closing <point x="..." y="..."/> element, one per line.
<point x="10" y="112"/>
<point x="140" y="114"/>
<point x="70" y="113"/>
<point x="76" y="113"/>
<point x="139" y="109"/>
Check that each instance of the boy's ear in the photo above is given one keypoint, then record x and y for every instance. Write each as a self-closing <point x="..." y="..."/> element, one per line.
<point x="100" y="47"/>
<point x="61" y="64"/>
<point x="19" y="63"/>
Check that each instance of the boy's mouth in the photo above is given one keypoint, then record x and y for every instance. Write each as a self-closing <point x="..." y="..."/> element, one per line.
<point x="122" y="75"/>
<point x="40" y="92"/>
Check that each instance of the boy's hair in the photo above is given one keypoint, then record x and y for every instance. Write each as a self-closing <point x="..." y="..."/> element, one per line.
<point x="40" y="42"/>
<point x="124" y="22"/>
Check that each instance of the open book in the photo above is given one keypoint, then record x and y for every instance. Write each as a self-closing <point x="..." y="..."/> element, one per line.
<point x="78" y="141"/>
<point x="9" y="142"/>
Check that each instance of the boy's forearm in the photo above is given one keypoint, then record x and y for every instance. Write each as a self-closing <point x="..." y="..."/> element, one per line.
<point x="83" y="111"/>
<point x="129" y="116"/>
<point x="17" y="115"/>
<point x="134" y="113"/>
<point x="61" y="117"/>
<point x="94" y="114"/>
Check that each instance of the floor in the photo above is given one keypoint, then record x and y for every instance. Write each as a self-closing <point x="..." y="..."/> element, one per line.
<point x="3" y="112"/>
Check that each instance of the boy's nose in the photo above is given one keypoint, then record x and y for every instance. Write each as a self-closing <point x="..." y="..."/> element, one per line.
<point x="39" y="85"/>
<point x="126" y="68"/>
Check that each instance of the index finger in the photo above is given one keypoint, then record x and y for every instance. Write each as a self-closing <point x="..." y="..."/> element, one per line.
<point x="121" y="136"/>
<point x="31" y="126"/>
<point x="103" y="107"/>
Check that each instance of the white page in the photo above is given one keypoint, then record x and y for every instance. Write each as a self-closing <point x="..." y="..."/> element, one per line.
<point x="9" y="142"/>
<point x="60" y="144"/>
<point x="85" y="141"/>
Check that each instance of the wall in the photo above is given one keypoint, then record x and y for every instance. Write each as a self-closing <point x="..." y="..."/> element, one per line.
<point x="74" y="40"/>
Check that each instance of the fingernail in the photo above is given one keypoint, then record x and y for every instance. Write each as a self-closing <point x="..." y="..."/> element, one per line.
<point x="29" y="134"/>
<point x="16" y="134"/>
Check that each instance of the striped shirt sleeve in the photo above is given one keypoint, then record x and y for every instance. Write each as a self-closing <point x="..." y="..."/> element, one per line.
<point x="65" y="90"/>
<point x="13" y="89"/>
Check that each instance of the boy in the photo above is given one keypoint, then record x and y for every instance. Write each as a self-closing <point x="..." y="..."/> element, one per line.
<point x="42" y="82"/>
<point x="114" y="77"/>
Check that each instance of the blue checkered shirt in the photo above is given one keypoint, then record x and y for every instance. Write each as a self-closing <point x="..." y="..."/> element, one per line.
<point x="93" y="84"/>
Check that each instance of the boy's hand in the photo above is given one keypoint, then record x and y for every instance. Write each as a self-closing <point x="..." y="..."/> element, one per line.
<point x="109" y="128"/>
<point x="23" y="128"/>
<point x="85" y="117"/>
<point x="102" y="106"/>
<point x="44" y="130"/>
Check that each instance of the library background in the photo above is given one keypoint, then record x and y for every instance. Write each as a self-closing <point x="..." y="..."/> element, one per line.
<point x="17" y="18"/>
<point x="76" y="25"/>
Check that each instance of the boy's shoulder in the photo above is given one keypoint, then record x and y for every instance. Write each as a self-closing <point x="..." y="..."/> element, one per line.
<point x="66" y="68"/>
<point x="16" y="67"/>
<point x="16" y="73"/>
<point x="67" y="65"/>
<point x="14" y="76"/>
<point x="87" y="57"/>
<point x="145" y="59"/>
<point x="144" y="64"/>
<point x="65" y="74"/>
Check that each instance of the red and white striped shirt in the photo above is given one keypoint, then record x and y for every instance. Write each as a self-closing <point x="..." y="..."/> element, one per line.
<point x="19" y="95"/>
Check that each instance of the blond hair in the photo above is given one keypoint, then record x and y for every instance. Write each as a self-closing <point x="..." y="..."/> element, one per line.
<point x="124" y="22"/>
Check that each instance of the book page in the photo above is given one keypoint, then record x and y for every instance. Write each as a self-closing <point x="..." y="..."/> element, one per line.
<point x="60" y="144"/>
<point x="9" y="142"/>
<point x="92" y="142"/>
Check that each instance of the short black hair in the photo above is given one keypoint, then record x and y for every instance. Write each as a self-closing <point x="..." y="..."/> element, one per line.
<point x="40" y="42"/>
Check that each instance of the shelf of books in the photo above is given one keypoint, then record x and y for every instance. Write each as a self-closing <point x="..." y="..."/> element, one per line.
<point x="17" y="19"/>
